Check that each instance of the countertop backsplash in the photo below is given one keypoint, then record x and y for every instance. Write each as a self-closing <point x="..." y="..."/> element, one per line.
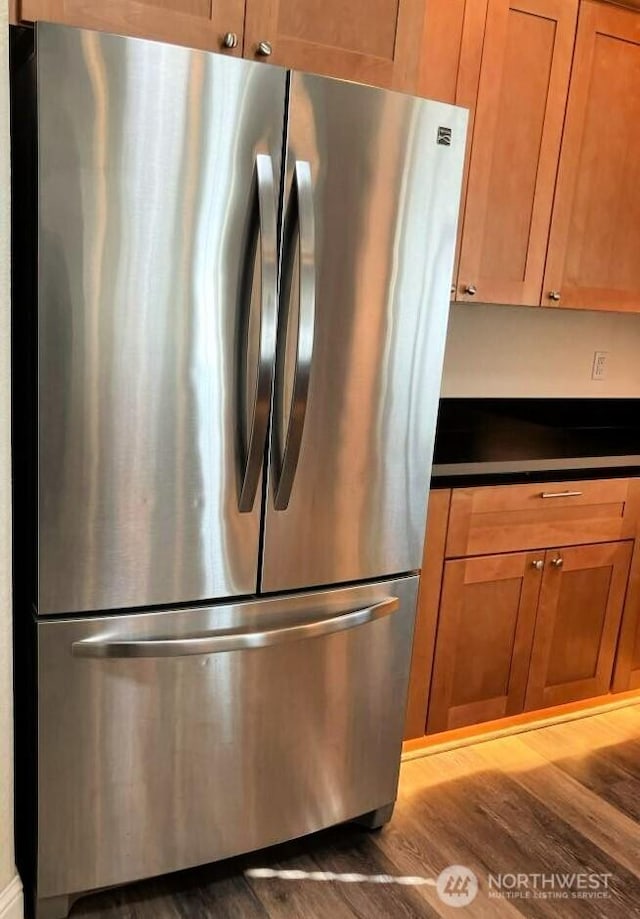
<point x="516" y="351"/>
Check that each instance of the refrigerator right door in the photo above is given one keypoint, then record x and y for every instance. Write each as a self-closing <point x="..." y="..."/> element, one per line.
<point x="373" y="185"/>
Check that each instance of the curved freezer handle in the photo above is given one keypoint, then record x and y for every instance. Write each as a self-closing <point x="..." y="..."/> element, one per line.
<point x="302" y="194"/>
<point x="231" y="641"/>
<point x="266" y="215"/>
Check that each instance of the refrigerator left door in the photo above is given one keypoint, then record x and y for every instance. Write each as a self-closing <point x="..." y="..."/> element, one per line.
<point x="158" y="174"/>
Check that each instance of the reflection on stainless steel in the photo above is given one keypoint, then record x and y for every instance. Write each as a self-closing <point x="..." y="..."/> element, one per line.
<point x="386" y="204"/>
<point x="260" y="397"/>
<point x="299" y="259"/>
<point x="146" y="158"/>
<point x="157" y="763"/>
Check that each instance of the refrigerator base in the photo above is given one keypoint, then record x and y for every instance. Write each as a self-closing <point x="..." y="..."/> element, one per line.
<point x="60" y="907"/>
<point x="54" y="907"/>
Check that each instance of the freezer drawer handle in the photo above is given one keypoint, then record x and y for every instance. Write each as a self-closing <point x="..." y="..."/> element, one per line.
<point x="287" y="435"/>
<point x="237" y="641"/>
<point x="262" y="225"/>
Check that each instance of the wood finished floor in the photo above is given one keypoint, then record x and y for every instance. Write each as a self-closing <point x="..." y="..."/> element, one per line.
<point x="565" y="798"/>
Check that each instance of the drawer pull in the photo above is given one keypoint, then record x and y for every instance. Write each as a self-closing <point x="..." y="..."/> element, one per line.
<point x="538" y="564"/>
<point x="561" y="494"/>
<point x="231" y="641"/>
<point x="557" y="562"/>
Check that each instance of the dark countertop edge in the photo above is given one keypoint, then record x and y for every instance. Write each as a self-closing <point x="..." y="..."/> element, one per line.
<point x="474" y="479"/>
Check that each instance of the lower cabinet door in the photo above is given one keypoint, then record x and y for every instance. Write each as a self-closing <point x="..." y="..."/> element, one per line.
<point x="485" y="630"/>
<point x="581" y="601"/>
<point x="174" y="738"/>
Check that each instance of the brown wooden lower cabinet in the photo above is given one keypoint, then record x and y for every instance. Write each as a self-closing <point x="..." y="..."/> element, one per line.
<point x="579" y="612"/>
<point x="485" y="630"/>
<point x="626" y="674"/>
<point x="526" y="630"/>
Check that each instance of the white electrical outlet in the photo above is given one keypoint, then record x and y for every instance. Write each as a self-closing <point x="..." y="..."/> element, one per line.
<point x="600" y="365"/>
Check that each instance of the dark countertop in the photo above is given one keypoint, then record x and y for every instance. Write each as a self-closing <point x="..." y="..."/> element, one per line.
<point x="489" y="441"/>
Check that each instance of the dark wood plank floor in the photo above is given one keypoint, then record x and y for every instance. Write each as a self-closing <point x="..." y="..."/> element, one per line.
<point x="562" y="799"/>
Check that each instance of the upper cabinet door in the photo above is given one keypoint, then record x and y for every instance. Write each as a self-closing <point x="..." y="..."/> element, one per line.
<point x="377" y="41"/>
<point x="524" y="77"/>
<point x="217" y="25"/>
<point x="595" y="234"/>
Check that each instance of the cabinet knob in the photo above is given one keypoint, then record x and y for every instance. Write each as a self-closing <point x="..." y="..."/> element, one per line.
<point x="264" y="49"/>
<point x="538" y="564"/>
<point x="557" y="562"/>
<point x="554" y="295"/>
<point x="471" y="290"/>
<point x="453" y="290"/>
<point x="230" y="40"/>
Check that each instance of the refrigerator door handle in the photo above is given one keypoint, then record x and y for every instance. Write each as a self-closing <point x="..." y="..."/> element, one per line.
<point x="263" y="224"/>
<point x="238" y="641"/>
<point x="300" y="226"/>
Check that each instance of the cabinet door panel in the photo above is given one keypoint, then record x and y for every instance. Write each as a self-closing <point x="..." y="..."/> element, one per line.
<point x="595" y="232"/>
<point x="577" y="624"/>
<point x="484" y="639"/>
<point x="196" y="23"/>
<point x="376" y="42"/>
<point x="524" y="79"/>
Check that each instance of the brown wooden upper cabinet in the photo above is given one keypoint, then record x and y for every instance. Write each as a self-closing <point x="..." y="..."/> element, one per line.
<point x="377" y="41"/>
<point x="595" y="232"/>
<point x="519" y="111"/>
<point x="209" y="24"/>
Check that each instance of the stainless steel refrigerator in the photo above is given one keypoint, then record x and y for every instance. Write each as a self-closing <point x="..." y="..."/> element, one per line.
<point x="233" y="289"/>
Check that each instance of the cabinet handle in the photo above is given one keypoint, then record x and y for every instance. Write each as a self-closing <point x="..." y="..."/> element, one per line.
<point x="538" y="564"/>
<point x="557" y="562"/>
<point x="554" y="295"/>
<point x="471" y="290"/>
<point x="561" y="494"/>
<point x="264" y="49"/>
<point x="230" y="40"/>
<point x="453" y="290"/>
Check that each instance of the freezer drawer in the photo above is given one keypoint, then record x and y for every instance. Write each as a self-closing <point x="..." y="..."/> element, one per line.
<point x="170" y="739"/>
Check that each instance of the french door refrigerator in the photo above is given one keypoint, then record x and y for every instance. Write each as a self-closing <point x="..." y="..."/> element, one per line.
<point x="231" y="296"/>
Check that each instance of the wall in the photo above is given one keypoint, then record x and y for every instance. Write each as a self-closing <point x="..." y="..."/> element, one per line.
<point x="530" y="351"/>
<point x="10" y="887"/>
